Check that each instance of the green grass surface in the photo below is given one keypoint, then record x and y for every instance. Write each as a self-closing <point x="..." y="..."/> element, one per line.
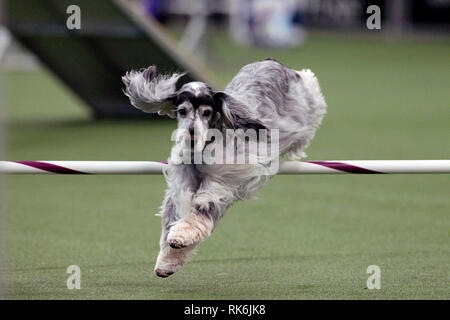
<point x="307" y="237"/>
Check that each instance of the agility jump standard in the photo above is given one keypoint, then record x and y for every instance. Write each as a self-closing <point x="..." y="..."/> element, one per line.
<point x="286" y="167"/>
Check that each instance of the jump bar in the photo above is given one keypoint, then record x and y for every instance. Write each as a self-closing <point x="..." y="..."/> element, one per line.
<point x="286" y="167"/>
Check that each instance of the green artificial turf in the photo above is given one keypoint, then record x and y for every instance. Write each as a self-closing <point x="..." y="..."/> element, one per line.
<point x="307" y="237"/>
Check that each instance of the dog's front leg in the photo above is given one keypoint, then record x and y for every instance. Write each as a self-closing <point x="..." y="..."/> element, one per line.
<point x="177" y="204"/>
<point x="204" y="210"/>
<point x="170" y="260"/>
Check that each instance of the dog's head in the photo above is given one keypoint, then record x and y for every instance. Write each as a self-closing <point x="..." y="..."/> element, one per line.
<point x="196" y="105"/>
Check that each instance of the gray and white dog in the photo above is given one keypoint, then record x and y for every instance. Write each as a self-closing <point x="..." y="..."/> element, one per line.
<point x="263" y="95"/>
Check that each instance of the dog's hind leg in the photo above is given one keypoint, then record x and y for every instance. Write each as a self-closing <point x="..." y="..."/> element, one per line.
<point x="309" y="108"/>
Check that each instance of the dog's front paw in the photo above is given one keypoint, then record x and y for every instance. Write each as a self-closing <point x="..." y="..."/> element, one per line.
<point x="183" y="234"/>
<point x="189" y="231"/>
<point x="170" y="260"/>
<point x="176" y="243"/>
<point x="163" y="273"/>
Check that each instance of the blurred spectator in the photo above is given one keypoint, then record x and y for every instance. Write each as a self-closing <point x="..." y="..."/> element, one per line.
<point x="5" y="40"/>
<point x="267" y="23"/>
<point x="156" y="8"/>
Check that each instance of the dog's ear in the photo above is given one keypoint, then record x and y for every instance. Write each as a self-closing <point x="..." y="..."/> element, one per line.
<point x="235" y="114"/>
<point x="150" y="92"/>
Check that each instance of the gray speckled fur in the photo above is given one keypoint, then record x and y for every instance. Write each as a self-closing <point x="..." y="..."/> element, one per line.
<point x="262" y="94"/>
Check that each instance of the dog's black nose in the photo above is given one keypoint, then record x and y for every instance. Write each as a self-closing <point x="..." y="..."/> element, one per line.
<point x="191" y="131"/>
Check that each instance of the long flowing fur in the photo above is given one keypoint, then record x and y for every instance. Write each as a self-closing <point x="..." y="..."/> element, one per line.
<point x="150" y="92"/>
<point x="263" y="95"/>
<point x="282" y="98"/>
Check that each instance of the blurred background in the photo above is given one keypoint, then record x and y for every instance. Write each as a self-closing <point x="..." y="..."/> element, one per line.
<point x="386" y="82"/>
<point x="88" y="51"/>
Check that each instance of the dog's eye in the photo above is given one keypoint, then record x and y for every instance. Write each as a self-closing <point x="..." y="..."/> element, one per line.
<point x="206" y="113"/>
<point x="182" y="112"/>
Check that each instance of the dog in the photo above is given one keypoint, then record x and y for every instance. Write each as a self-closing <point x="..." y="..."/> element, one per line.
<point x="264" y="95"/>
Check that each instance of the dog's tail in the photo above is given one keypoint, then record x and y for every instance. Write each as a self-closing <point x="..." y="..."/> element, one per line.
<point x="312" y="116"/>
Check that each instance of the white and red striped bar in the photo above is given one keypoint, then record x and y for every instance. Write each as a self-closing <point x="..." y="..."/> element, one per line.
<point x="286" y="167"/>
